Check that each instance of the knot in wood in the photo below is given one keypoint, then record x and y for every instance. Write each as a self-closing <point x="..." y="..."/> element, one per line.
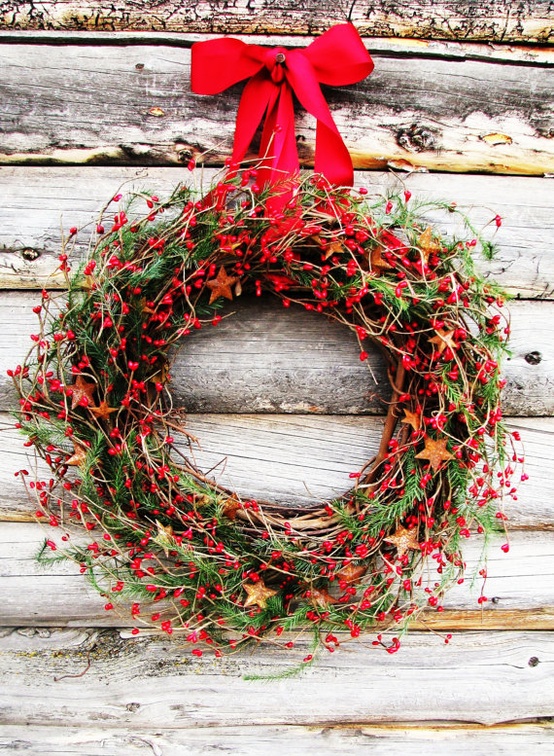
<point x="30" y="254"/>
<point x="416" y="138"/>
<point x="533" y="358"/>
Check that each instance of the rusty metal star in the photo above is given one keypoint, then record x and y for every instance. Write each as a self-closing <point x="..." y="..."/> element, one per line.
<point x="412" y="418"/>
<point x="436" y="452"/>
<point x="221" y="285"/>
<point x="404" y="540"/>
<point x="444" y="339"/>
<point x="79" y="456"/>
<point x="428" y="245"/>
<point x="82" y="389"/>
<point x="258" y="593"/>
<point x="321" y="597"/>
<point x="351" y="573"/>
<point x="103" y="411"/>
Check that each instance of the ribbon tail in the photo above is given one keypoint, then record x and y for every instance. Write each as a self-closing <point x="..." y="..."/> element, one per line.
<point x="258" y="94"/>
<point x="332" y="158"/>
<point x="278" y="145"/>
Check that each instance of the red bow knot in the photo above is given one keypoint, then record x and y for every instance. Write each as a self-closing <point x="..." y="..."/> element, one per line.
<point x="336" y="58"/>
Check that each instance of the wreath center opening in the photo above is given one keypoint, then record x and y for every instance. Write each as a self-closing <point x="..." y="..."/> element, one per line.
<point x="281" y="404"/>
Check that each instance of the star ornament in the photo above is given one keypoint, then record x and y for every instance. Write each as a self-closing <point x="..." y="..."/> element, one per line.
<point x="444" y="339"/>
<point x="412" y="418"/>
<point x="321" y="597"/>
<point x="82" y="390"/>
<point x="351" y="573"/>
<point x="221" y="285"/>
<point x="436" y="452"/>
<point x="103" y="411"/>
<point x="334" y="248"/>
<point x="377" y="261"/>
<point x="258" y="594"/>
<point x="403" y="540"/>
<point x="79" y="456"/>
<point x="166" y="530"/>
<point x="164" y="536"/>
<point x="231" y="508"/>
<point x="428" y="245"/>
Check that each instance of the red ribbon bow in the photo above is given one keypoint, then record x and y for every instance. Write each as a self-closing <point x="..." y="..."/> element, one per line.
<point x="338" y="57"/>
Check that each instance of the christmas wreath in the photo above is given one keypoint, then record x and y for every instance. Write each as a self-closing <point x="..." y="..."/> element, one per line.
<point x="96" y="405"/>
<point x="194" y="558"/>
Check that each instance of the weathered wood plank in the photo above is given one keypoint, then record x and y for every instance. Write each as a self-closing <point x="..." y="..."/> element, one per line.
<point x="266" y="358"/>
<point x="268" y="362"/>
<point x="295" y="460"/>
<point x="153" y="683"/>
<point x="519" y="586"/>
<point x="274" y="740"/>
<point x="126" y="105"/>
<point x="448" y="19"/>
<point x="39" y="203"/>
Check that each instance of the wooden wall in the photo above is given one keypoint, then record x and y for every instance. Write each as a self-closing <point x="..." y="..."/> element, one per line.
<point x="94" y="96"/>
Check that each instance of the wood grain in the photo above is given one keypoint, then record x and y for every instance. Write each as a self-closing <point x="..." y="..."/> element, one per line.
<point x="265" y="358"/>
<point x="39" y="204"/>
<point x="447" y="19"/>
<point x="153" y="683"/>
<point x="132" y="105"/>
<point x="274" y="740"/>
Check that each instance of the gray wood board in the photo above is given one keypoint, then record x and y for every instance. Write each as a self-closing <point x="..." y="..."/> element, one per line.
<point x="41" y="204"/>
<point x="103" y="739"/>
<point x="447" y="19"/>
<point x="132" y="105"/>
<point x="147" y="683"/>
<point x="296" y="460"/>
<point x="266" y="358"/>
<point x="519" y="585"/>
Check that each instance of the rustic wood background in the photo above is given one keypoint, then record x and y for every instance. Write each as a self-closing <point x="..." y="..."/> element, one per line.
<point x="96" y="96"/>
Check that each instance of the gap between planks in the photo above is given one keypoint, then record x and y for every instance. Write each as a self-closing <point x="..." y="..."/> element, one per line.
<point x="516" y="54"/>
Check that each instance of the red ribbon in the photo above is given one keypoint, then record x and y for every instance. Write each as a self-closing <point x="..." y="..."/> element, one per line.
<point x="337" y="58"/>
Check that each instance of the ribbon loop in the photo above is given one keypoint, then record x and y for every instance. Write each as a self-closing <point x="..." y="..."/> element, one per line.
<point x="337" y="58"/>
